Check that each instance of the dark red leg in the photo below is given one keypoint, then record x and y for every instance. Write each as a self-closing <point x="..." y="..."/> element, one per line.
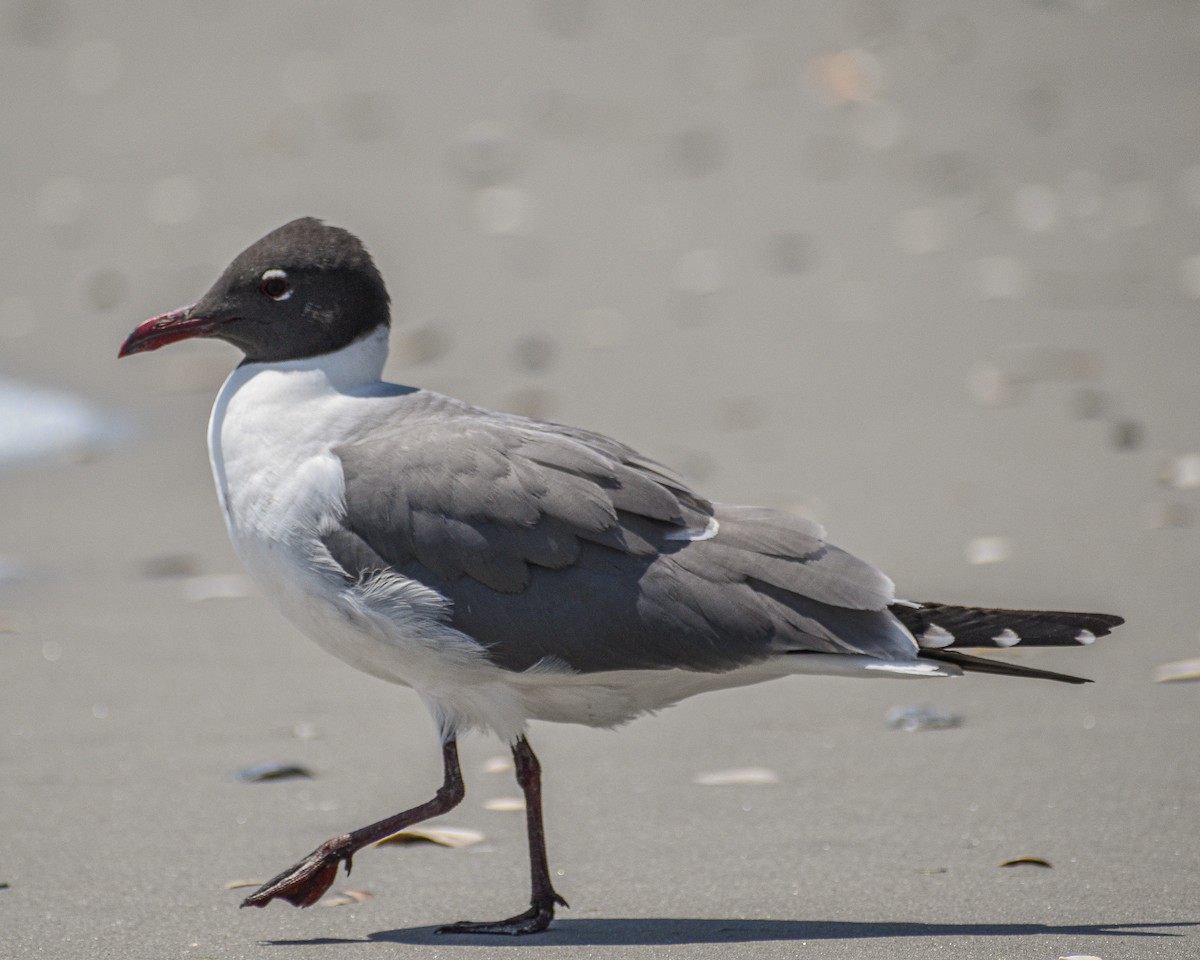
<point x="544" y="897"/>
<point x="306" y="882"/>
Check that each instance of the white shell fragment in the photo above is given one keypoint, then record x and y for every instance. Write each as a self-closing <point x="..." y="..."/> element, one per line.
<point x="304" y="730"/>
<point x="504" y="804"/>
<point x="1085" y="637"/>
<point x="442" y="836"/>
<point x="345" y="898"/>
<point x="1177" y="671"/>
<point x="498" y="764"/>
<point x="750" y="776"/>
<point x="1182" y="472"/>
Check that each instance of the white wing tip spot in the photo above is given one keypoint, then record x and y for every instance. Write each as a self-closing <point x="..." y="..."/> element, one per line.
<point x="709" y="531"/>
<point x="936" y="637"/>
<point x="1085" y="637"/>
<point x="1006" y="638"/>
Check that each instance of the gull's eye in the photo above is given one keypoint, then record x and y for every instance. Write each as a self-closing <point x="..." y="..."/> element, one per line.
<point x="275" y="285"/>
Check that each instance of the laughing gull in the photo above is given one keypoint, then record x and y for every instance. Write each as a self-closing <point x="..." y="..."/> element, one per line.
<point x="510" y="569"/>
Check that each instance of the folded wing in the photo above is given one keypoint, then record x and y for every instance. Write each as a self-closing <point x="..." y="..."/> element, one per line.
<point x="561" y="547"/>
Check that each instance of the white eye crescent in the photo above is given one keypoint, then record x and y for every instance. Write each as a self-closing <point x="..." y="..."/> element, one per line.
<point x="275" y="285"/>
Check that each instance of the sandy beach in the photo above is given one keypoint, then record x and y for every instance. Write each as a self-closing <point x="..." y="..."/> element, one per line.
<point x="698" y="235"/>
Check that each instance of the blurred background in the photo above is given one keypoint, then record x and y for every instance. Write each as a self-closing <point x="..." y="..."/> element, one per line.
<point x="926" y="271"/>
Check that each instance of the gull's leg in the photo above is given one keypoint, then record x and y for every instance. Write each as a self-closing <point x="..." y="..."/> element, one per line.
<point x="544" y="897"/>
<point x="304" y="884"/>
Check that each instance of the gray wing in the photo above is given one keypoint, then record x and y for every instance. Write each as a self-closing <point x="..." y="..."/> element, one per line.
<point x="557" y="543"/>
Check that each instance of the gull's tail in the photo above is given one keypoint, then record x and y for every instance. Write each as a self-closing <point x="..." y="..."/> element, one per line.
<point x="942" y="630"/>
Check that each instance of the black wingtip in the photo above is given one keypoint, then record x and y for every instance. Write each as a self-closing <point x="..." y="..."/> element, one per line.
<point x="983" y="665"/>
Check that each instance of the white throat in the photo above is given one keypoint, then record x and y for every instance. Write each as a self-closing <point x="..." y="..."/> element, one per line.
<point x="351" y="368"/>
<point x="264" y="404"/>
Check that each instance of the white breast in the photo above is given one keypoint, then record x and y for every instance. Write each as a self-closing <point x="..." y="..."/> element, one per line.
<point x="281" y="487"/>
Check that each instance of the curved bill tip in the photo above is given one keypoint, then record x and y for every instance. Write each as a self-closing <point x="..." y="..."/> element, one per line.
<point x="163" y="329"/>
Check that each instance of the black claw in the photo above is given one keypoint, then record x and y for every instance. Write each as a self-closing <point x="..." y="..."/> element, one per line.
<point x="534" y="920"/>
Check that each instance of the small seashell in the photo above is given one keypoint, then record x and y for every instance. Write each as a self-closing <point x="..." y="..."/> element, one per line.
<point x="754" y="776"/>
<point x="504" y="804"/>
<point x="442" y="836"/>
<point x="1178" y="670"/>
<point x="345" y="898"/>
<point x="305" y="731"/>
<point x="1027" y="861"/>
<point x="498" y="764"/>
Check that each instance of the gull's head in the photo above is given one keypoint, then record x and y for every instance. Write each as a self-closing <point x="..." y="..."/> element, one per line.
<point x="303" y="290"/>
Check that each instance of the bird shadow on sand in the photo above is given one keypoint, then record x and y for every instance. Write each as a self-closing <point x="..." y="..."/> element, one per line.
<point x="683" y="931"/>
